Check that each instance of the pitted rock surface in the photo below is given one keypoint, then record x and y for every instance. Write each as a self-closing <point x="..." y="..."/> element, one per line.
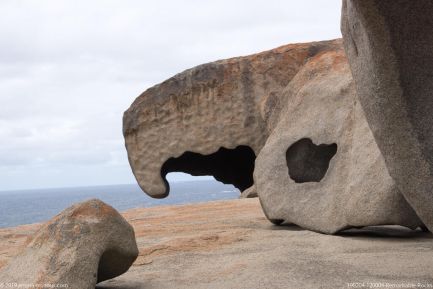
<point x="237" y="119"/>
<point x="219" y="105"/>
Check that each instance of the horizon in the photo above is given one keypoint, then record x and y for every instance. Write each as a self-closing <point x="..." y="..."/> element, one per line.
<point x="171" y="179"/>
<point x="69" y="69"/>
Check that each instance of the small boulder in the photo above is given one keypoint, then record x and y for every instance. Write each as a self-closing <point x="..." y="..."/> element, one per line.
<point x="85" y="244"/>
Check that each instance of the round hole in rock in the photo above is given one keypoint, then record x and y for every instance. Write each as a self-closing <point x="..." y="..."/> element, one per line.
<point x="229" y="166"/>
<point x="308" y="162"/>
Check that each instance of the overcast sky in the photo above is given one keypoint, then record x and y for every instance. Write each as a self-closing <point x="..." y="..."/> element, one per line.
<point x="69" y="68"/>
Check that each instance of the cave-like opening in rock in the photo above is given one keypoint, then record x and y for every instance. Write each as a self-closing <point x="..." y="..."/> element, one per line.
<point x="308" y="162"/>
<point x="229" y="166"/>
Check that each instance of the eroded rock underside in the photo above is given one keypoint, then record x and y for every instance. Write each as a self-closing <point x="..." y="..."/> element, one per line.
<point x="286" y="121"/>
<point x="210" y="110"/>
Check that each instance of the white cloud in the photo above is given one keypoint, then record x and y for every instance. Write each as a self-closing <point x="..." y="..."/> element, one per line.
<point x="69" y="68"/>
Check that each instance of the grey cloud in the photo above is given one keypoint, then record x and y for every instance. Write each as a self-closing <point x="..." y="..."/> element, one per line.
<point x="68" y="70"/>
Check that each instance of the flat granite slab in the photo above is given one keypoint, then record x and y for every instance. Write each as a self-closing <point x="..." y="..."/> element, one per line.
<point x="230" y="244"/>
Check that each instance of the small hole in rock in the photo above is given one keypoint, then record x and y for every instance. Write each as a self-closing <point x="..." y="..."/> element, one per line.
<point x="308" y="162"/>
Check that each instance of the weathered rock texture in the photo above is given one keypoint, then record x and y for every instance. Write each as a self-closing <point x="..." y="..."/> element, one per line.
<point x="211" y="109"/>
<point x="320" y="167"/>
<point x="389" y="45"/>
<point x="86" y="244"/>
<point x="294" y="108"/>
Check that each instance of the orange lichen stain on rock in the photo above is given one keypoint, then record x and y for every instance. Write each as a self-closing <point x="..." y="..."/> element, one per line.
<point x="286" y="61"/>
<point x="186" y="219"/>
<point x="164" y="230"/>
<point x="334" y="60"/>
<point x="93" y="209"/>
<point x="168" y="230"/>
<point x="340" y="61"/>
<point x="2" y="263"/>
<point x="196" y="243"/>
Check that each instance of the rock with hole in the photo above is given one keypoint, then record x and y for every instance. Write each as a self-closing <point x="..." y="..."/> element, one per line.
<point x="212" y="119"/>
<point x="85" y="244"/>
<point x="293" y="107"/>
<point x="320" y="167"/>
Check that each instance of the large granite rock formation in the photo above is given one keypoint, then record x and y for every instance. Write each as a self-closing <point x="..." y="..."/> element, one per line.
<point x="294" y="108"/>
<point x="85" y="244"/>
<point x="219" y="109"/>
<point x="389" y="45"/>
<point x="320" y="167"/>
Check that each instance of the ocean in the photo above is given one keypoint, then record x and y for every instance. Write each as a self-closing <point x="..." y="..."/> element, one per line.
<point x="34" y="206"/>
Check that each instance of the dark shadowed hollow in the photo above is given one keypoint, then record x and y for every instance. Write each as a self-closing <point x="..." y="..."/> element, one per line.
<point x="106" y="267"/>
<point x="308" y="162"/>
<point x="230" y="166"/>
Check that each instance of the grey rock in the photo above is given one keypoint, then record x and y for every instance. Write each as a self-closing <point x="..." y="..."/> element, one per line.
<point x="389" y="46"/>
<point x="212" y="119"/>
<point x="295" y="108"/>
<point x="321" y="168"/>
<point x="86" y="244"/>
